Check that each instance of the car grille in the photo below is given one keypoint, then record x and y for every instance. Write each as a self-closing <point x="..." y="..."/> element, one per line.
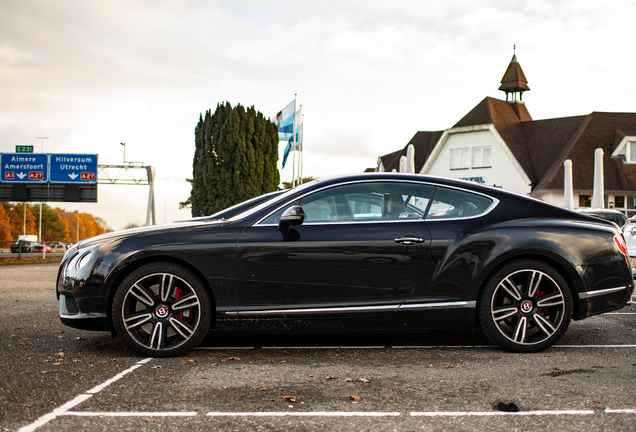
<point x="71" y="306"/>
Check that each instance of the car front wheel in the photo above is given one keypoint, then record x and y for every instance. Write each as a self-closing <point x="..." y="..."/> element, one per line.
<point x="162" y="310"/>
<point x="525" y="306"/>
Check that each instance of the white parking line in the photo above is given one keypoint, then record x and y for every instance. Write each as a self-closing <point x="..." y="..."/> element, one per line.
<point x="306" y="414"/>
<point x="353" y="413"/>
<point x="131" y="414"/>
<point x="62" y="410"/>
<point x="498" y="413"/>
<point x="322" y="347"/>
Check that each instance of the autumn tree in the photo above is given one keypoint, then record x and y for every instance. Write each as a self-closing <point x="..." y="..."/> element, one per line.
<point x="5" y="225"/>
<point x="53" y="229"/>
<point x="234" y="160"/>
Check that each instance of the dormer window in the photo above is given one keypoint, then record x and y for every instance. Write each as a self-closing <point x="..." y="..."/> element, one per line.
<point x="626" y="149"/>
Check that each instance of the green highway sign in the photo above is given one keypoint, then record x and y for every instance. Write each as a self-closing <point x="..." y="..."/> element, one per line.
<point x="24" y="149"/>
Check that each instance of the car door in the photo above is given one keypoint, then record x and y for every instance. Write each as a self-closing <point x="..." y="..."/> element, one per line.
<point x="359" y="251"/>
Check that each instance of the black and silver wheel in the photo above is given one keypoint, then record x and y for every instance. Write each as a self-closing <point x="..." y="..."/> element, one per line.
<point x="526" y="306"/>
<point x="162" y="310"/>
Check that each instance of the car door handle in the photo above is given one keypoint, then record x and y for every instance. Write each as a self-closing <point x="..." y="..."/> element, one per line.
<point x="409" y="240"/>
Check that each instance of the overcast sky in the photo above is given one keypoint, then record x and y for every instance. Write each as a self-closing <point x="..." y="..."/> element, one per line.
<point x="369" y="74"/>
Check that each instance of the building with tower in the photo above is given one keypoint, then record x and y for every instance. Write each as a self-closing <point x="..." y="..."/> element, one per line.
<point x="498" y="143"/>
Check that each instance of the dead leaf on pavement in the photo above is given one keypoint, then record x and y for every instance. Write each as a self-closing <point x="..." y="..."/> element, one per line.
<point x="290" y="398"/>
<point x="364" y="380"/>
<point x="330" y="377"/>
<point x="355" y="398"/>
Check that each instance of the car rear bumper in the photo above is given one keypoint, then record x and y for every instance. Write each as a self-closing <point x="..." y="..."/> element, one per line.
<point x="601" y="301"/>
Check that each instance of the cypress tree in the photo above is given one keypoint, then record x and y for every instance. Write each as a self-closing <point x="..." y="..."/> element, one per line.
<point x="234" y="160"/>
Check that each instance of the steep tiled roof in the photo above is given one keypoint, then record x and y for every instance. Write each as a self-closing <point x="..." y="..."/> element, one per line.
<point x="423" y="143"/>
<point x="599" y="131"/>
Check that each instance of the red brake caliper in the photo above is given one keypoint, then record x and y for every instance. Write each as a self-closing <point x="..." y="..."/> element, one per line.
<point x="185" y="315"/>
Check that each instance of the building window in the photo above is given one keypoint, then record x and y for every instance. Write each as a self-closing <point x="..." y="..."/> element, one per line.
<point x="585" y="201"/>
<point x="631" y="151"/>
<point x="481" y="157"/>
<point x="459" y="159"/>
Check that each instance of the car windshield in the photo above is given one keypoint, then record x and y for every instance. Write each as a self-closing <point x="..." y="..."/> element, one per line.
<point x="261" y="206"/>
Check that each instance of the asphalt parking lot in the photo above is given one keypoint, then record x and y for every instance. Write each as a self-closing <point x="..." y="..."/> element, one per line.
<point x="57" y="378"/>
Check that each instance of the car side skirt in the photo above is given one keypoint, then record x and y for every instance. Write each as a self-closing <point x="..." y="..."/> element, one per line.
<point x="350" y="310"/>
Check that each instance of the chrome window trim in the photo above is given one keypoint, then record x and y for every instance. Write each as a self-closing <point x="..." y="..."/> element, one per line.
<point x="591" y="294"/>
<point x="357" y="309"/>
<point x="494" y="204"/>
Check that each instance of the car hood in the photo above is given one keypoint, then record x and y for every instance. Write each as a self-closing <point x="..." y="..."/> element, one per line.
<point x="130" y="232"/>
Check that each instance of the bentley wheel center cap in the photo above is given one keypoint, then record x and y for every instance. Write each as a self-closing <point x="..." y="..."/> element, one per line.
<point x="526" y="306"/>
<point x="162" y="311"/>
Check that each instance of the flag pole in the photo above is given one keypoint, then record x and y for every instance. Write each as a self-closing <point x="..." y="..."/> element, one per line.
<point x="301" y="141"/>
<point x="294" y="144"/>
<point x="300" y="116"/>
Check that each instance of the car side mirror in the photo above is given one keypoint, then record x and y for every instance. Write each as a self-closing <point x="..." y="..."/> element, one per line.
<point x="295" y="215"/>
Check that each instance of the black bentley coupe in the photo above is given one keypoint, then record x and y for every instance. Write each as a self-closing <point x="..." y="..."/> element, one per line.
<point x="369" y="252"/>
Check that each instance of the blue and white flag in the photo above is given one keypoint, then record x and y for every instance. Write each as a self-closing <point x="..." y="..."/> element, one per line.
<point x="290" y="145"/>
<point x="285" y="121"/>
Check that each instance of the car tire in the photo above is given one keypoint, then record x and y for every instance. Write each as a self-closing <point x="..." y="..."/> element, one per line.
<point x="525" y="306"/>
<point x="162" y="310"/>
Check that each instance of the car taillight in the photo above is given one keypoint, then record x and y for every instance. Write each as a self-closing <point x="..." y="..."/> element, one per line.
<point x="620" y="243"/>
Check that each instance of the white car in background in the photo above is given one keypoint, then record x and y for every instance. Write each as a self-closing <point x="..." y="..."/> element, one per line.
<point x="629" y="232"/>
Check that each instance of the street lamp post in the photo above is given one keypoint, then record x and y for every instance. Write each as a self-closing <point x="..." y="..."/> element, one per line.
<point x="40" y="230"/>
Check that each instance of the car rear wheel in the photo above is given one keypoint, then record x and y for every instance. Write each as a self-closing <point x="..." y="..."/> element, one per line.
<point x="162" y="310"/>
<point x="525" y="306"/>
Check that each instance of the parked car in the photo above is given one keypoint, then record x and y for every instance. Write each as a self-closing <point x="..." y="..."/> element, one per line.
<point x="608" y="214"/>
<point x="24" y="246"/>
<point x="39" y="249"/>
<point x="629" y="232"/>
<point x="237" y="208"/>
<point x="368" y="252"/>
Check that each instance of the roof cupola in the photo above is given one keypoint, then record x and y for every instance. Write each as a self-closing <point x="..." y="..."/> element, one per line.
<point x="514" y="81"/>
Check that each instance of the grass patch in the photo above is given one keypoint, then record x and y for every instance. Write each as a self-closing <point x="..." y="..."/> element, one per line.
<point x="29" y="260"/>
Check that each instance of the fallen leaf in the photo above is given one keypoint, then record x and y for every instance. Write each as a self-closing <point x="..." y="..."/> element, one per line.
<point x="162" y="377"/>
<point x="26" y="405"/>
<point x="355" y="398"/>
<point x="3" y="376"/>
<point x="60" y="355"/>
<point x="598" y="401"/>
<point x="79" y="338"/>
<point x="147" y="420"/>
<point x="347" y="380"/>
<point x="192" y="361"/>
<point x="364" y="380"/>
<point x="445" y="367"/>
<point x="226" y="387"/>
<point x="44" y="372"/>
<point x="263" y="389"/>
<point x="156" y="367"/>
<point x="184" y="399"/>
<point x="290" y="398"/>
<point x="275" y="400"/>
<point x="330" y="377"/>
<point x="222" y="355"/>
<point x="213" y="364"/>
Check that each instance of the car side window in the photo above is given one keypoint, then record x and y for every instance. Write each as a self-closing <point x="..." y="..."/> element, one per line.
<point x="364" y="201"/>
<point x="453" y="203"/>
